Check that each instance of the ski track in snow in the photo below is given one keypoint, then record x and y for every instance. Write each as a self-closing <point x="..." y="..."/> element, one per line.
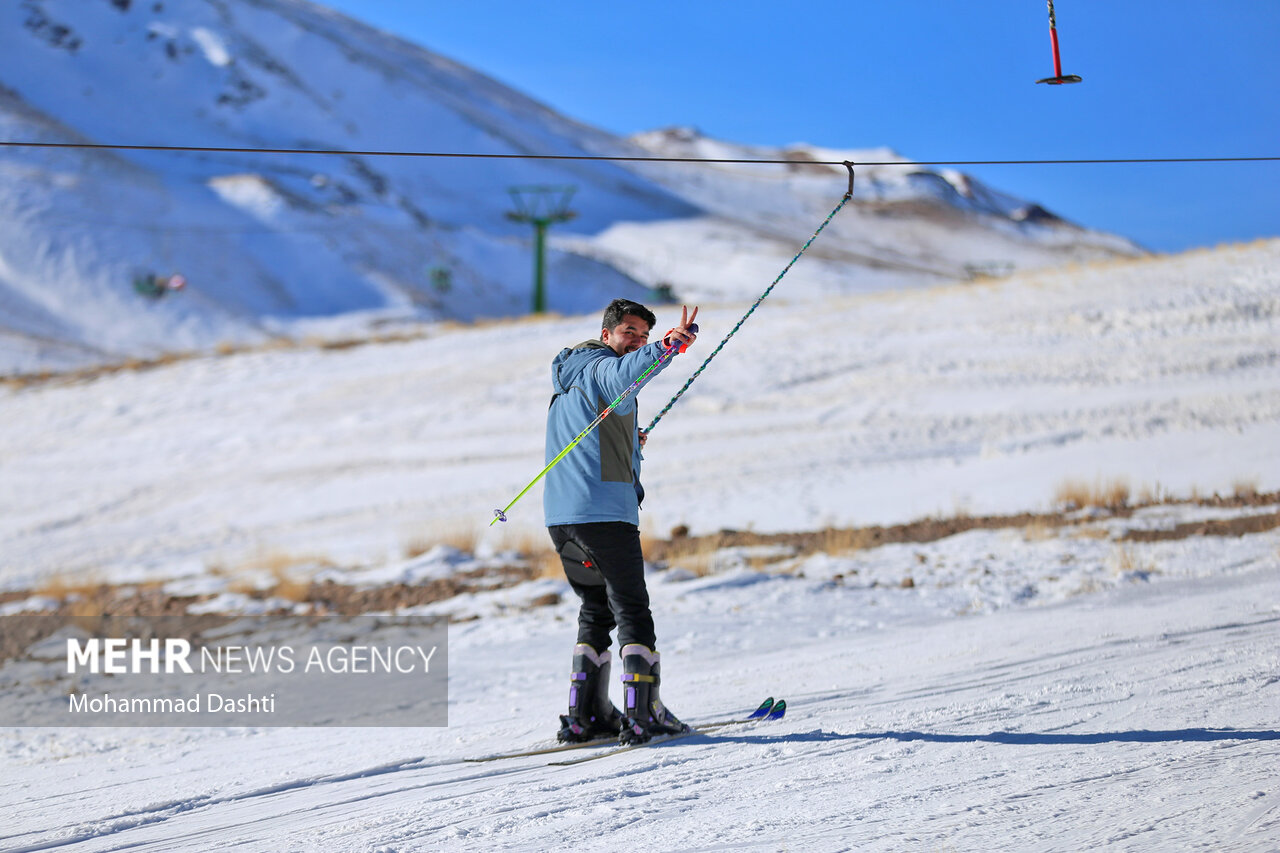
<point x="1102" y="722"/>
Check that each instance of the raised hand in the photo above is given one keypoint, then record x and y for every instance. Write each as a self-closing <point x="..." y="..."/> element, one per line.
<point x="685" y="333"/>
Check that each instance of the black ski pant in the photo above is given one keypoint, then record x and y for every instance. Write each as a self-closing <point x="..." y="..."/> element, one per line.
<point x="605" y="566"/>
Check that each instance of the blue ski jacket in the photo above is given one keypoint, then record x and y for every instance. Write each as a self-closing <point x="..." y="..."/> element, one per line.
<point x="600" y="478"/>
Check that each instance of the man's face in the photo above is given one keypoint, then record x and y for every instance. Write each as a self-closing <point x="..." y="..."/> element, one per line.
<point x="628" y="336"/>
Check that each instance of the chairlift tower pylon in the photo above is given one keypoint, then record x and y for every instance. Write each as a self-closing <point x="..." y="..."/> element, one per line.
<point x="542" y="206"/>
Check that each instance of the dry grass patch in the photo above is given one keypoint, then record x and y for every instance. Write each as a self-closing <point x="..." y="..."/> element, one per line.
<point x="547" y="566"/>
<point x="534" y="548"/>
<point x="88" y="613"/>
<point x="276" y="574"/>
<point x="1038" y="530"/>
<point x="95" y="606"/>
<point x="649" y="540"/>
<point x="63" y="587"/>
<point x="459" y="539"/>
<point x="277" y="563"/>
<point x="85" y="600"/>
<point x="1126" y="560"/>
<point x="290" y="585"/>
<point x="415" y="548"/>
<point x="701" y="561"/>
<point x="843" y="541"/>
<point x="705" y="555"/>
<point x="524" y="542"/>
<point x="1078" y="494"/>
<point x="1150" y="495"/>
<point x="697" y="554"/>
<point x="1245" y="490"/>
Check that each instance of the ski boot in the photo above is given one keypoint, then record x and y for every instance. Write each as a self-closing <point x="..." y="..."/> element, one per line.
<point x="591" y="714"/>
<point x="644" y="715"/>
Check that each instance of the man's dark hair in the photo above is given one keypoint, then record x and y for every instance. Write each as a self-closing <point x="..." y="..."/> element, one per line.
<point x="618" y="308"/>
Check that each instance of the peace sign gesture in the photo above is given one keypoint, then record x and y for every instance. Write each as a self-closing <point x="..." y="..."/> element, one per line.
<point x="685" y="333"/>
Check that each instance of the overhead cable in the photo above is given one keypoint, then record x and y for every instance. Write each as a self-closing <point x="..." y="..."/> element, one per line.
<point x="222" y="149"/>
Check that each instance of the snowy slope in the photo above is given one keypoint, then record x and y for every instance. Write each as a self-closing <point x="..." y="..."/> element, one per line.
<point x="874" y="409"/>
<point x="1137" y="719"/>
<point x="907" y="225"/>
<point x="267" y="241"/>
<point x="1029" y="690"/>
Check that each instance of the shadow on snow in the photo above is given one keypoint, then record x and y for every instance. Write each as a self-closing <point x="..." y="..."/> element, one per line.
<point x="1019" y="738"/>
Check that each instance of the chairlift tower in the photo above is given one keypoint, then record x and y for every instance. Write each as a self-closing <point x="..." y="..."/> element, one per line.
<point x="542" y="206"/>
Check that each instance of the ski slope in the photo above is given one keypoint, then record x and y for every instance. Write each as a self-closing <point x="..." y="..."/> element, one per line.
<point x="1029" y="689"/>
<point x="860" y="410"/>
<point x="1137" y="719"/>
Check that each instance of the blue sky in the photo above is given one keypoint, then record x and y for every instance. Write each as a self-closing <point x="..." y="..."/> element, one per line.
<point x="932" y="79"/>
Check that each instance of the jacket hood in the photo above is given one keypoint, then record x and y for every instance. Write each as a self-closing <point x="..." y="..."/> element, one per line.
<point x="569" y="364"/>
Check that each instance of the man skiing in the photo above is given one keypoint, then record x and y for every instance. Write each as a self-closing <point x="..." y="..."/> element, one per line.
<point x="591" y="502"/>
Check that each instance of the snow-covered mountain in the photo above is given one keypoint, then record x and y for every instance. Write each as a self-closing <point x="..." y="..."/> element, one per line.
<point x="271" y="243"/>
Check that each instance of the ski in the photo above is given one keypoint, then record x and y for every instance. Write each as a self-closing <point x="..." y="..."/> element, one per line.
<point x="653" y="741"/>
<point x="547" y="750"/>
<point x="769" y="709"/>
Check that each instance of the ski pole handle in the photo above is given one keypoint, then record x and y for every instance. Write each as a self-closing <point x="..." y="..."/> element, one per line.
<point x="681" y="346"/>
